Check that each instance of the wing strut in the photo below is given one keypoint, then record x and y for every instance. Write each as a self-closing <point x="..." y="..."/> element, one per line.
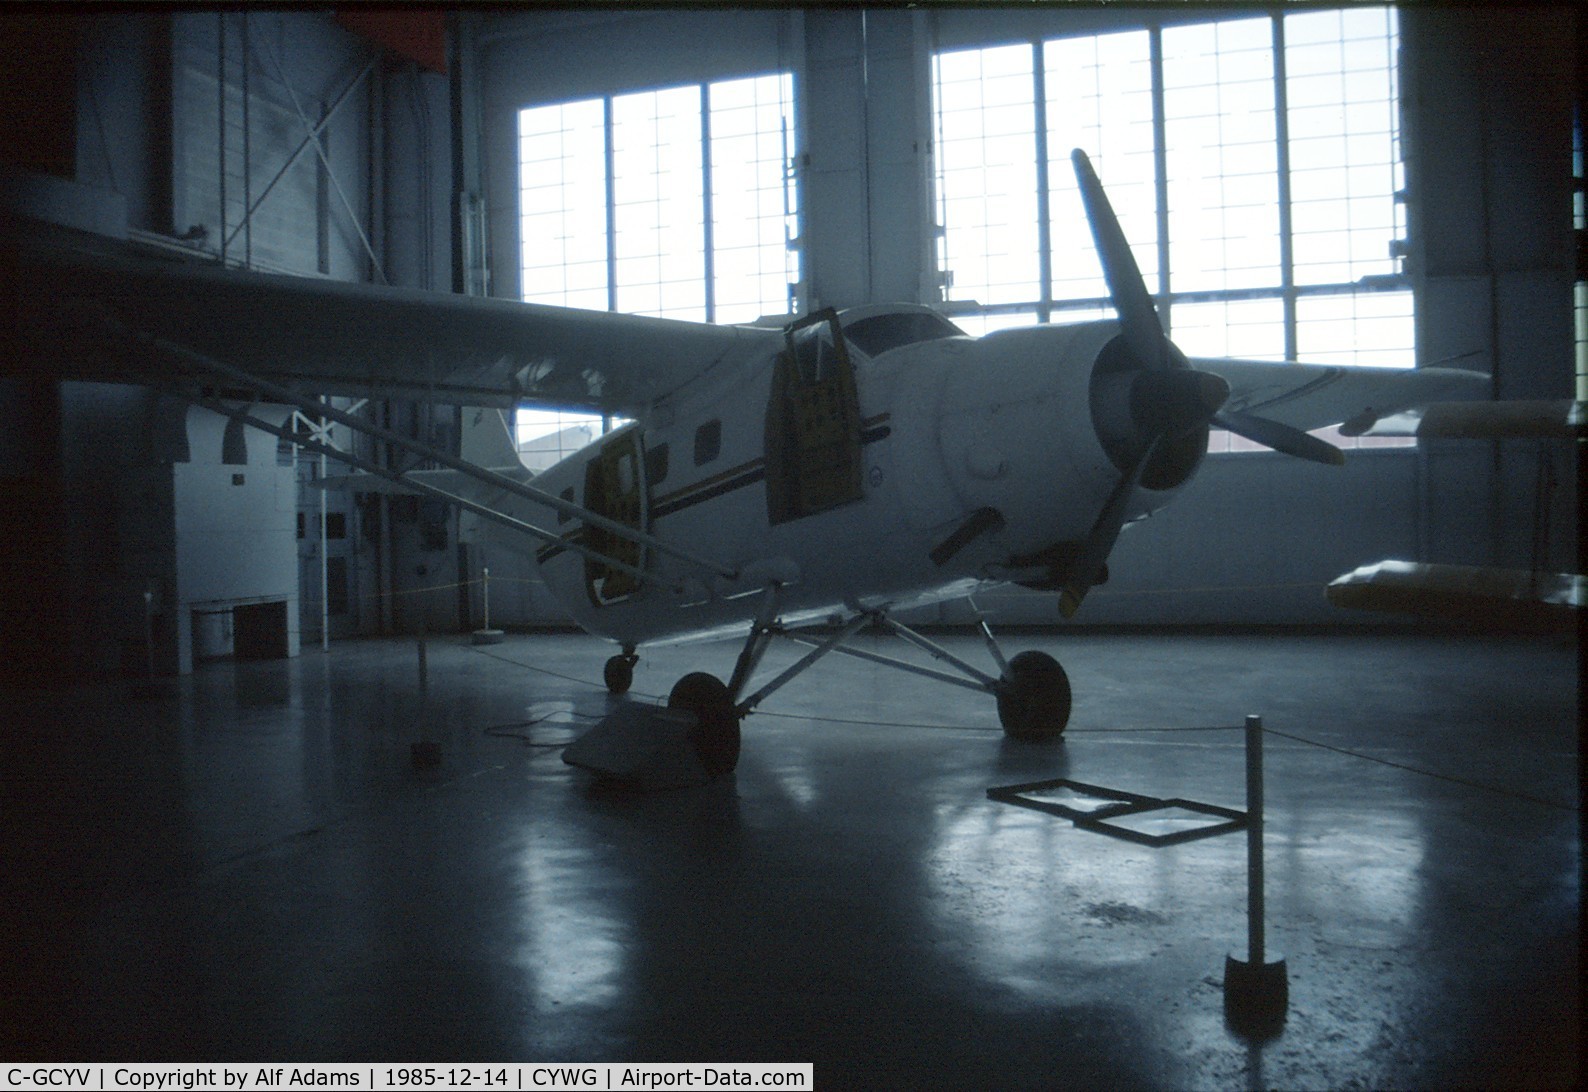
<point x="276" y="392"/>
<point x="765" y="629"/>
<point x="285" y="433"/>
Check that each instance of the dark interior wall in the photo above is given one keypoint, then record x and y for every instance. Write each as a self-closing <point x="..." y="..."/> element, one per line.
<point x="118" y="537"/>
<point x="1489" y="96"/>
<point x="33" y="645"/>
<point x="184" y="119"/>
<point x="38" y="104"/>
<point x="123" y="110"/>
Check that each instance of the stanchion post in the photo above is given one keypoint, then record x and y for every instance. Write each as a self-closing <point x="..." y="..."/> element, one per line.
<point x="426" y="753"/>
<point x="1256" y="989"/>
<point x="486" y="635"/>
<point x="1254" y="841"/>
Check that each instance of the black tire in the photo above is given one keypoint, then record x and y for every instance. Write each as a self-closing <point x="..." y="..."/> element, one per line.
<point x="619" y="674"/>
<point x="1034" y="698"/>
<point x="716" y="736"/>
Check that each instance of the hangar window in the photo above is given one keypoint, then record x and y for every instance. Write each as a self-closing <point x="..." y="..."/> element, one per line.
<point x="678" y="202"/>
<point x="1253" y="162"/>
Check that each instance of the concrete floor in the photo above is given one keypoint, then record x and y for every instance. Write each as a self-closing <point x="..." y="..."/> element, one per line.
<point x="254" y="870"/>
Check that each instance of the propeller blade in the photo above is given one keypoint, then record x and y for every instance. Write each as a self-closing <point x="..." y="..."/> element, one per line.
<point x="1105" y="532"/>
<point x="1282" y="438"/>
<point x="1138" y="318"/>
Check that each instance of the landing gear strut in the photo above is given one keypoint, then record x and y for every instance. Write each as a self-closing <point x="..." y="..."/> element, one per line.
<point x="1032" y="690"/>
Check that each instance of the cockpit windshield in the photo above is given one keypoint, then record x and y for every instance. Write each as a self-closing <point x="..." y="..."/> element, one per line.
<point x="876" y="334"/>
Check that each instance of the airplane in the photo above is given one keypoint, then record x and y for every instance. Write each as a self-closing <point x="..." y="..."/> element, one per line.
<point x="802" y="483"/>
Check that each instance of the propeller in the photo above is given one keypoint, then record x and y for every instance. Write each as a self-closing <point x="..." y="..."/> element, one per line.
<point x="1152" y="400"/>
<point x="1282" y="438"/>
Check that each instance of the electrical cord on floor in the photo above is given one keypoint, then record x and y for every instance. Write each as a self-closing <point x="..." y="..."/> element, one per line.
<point x="537" y="670"/>
<point x="506" y="731"/>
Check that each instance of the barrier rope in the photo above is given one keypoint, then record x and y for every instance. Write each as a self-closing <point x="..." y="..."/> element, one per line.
<point x="1426" y="773"/>
<point x="377" y="596"/>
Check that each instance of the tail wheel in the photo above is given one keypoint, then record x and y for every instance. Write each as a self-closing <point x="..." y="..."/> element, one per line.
<point x="1034" y="698"/>
<point x="716" y="736"/>
<point x="619" y="673"/>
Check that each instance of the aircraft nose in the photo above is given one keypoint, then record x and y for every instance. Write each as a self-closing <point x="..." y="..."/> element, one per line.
<point x="1174" y="400"/>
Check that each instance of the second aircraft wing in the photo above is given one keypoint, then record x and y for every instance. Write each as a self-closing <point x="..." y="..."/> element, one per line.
<point x="1312" y="396"/>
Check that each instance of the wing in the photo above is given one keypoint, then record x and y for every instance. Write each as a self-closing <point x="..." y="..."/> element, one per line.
<point x="1510" y="597"/>
<point x="1311" y="396"/>
<point x="1558" y="419"/>
<point x="336" y="337"/>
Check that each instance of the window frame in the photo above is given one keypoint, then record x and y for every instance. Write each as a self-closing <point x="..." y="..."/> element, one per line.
<point x="706" y="223"/>
<point x="1292" y="292"/>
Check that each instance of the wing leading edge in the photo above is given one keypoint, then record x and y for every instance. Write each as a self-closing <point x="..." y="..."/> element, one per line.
<point x="337" y="337"/>
<point x="1312" y="396"/>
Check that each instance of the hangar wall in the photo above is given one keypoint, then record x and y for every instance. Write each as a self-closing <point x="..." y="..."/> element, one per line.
<point x="190" y="126"/>
<point x="1256" y="536"/>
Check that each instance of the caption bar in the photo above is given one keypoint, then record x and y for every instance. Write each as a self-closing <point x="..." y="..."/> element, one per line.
<point x="186" y="1077"/>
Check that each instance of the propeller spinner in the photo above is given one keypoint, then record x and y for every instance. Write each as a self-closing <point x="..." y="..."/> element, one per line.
<point x="1151" y="400"/>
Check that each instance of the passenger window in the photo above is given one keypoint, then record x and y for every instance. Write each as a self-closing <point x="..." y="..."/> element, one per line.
<point x="708" y="442"/>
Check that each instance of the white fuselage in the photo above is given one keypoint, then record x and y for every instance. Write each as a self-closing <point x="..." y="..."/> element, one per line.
<point x="949" y="428"/>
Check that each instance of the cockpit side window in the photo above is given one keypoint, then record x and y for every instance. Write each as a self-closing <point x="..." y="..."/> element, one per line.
<point x="879" y="333"/>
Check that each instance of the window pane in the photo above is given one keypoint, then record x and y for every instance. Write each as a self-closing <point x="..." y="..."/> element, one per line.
<point x="562" y="201"/>
<point x="658" y="201"/>
<point x="1221" y="157"/>
<point x="545" y="437"/>
<point x="658" y="208"/>
<point x="753" y="200"/>
<point x="987" y="174"/>
<point x="976" y="325"/>
<point x="1367" y="328"/>
<point x="1244" y="329"/>
<point x="1099" y="99"/>
<point x="1344" y="159"/>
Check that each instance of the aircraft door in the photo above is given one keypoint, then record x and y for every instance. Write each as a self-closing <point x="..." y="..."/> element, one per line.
<point x="813" y="456"/>
<point x="614" y="487"/>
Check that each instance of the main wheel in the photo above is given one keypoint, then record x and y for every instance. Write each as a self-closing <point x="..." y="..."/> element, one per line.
<point x="716" y="736"/>
<point x="619" y="674"/>
<point x="1034" y="697"/>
